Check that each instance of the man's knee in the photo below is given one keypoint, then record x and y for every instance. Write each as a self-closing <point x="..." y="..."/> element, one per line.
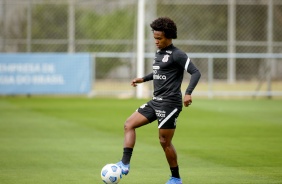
<point x="130" y="124"/>
<point x="127" y="125"/>
<point x="164" y="141"/>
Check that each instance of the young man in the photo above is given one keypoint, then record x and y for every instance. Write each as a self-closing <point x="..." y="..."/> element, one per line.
<point x="166" y="103"/>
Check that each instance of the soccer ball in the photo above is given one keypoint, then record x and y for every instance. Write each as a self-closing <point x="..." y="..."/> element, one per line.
<point x="111" y="174"/>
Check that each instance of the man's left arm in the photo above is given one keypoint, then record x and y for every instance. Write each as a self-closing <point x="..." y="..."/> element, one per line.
<point x="195" y="77"/>
<point x="184" y="61"/>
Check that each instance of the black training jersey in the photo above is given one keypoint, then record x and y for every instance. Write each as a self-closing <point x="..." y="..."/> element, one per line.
<point x="168" y="69"/>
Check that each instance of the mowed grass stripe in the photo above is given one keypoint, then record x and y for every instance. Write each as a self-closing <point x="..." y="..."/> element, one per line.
<point x="37" y="147"/>
<point x="68" y="140"/>
<point x="236" y="135"/>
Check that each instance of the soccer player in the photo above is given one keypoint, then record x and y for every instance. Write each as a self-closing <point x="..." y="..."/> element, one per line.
<point x="166" y="103"/>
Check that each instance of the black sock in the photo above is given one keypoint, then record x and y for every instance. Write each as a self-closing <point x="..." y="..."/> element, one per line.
<point x="175" y="172"/>
<point x="127" y="152"/>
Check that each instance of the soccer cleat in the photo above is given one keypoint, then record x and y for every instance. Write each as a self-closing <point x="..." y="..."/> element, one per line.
<point x="174" y="180"/>
<point x="124" y="168"/>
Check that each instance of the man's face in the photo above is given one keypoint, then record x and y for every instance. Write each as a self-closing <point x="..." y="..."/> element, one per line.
<point x="160" y="40"/>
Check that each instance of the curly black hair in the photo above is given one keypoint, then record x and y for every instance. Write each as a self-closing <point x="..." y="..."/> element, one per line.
<point x="165" y="25"/>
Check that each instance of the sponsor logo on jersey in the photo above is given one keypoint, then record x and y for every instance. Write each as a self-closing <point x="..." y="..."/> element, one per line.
<point x="156" y="75"/>
<point x="160" y="114"/>
<point x="165" y="58"/>
<point x="159" y="77"/>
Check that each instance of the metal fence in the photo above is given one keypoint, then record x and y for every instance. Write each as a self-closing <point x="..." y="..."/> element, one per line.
<point x="214" y="68"/>
<point x="206" y="28"/>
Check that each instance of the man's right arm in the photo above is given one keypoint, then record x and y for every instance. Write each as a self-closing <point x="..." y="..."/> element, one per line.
<point x="135" y="81"/>
<point x="148" y="77"/>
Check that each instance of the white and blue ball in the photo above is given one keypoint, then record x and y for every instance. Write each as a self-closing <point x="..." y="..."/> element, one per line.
<point x="111" y="174"/>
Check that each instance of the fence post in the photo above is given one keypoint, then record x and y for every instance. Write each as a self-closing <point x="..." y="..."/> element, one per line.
<point x="29" y="26"/>
<point x="210" y="77"/>
<point x="231" y="72"/>
<point x="71" y="27"/>
<point x="92" y="92"/>
<point x="270" y="62"/>
<point x="140" y="45"/>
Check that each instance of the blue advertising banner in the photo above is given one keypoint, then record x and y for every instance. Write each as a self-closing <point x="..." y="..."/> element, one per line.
<point x="45" y="73"/>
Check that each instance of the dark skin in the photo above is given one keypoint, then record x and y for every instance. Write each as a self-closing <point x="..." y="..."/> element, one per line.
<point x="137" y="120"/>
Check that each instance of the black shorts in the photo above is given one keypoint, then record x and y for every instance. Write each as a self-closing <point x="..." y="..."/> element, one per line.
<point x="165" y="113"/>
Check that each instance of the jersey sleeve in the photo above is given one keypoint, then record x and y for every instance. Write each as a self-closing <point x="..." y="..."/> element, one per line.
<point x="195" y="77"/>
<point x="148" y="77"/>
<point x="184" y="61"/>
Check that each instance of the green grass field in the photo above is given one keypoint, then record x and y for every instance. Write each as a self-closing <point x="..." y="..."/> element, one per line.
<point x="53" y="140"/>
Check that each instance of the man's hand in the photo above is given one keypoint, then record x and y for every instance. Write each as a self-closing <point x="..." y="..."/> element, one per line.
<point x="187" y="100"/>
<point x="135" y="81"/>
